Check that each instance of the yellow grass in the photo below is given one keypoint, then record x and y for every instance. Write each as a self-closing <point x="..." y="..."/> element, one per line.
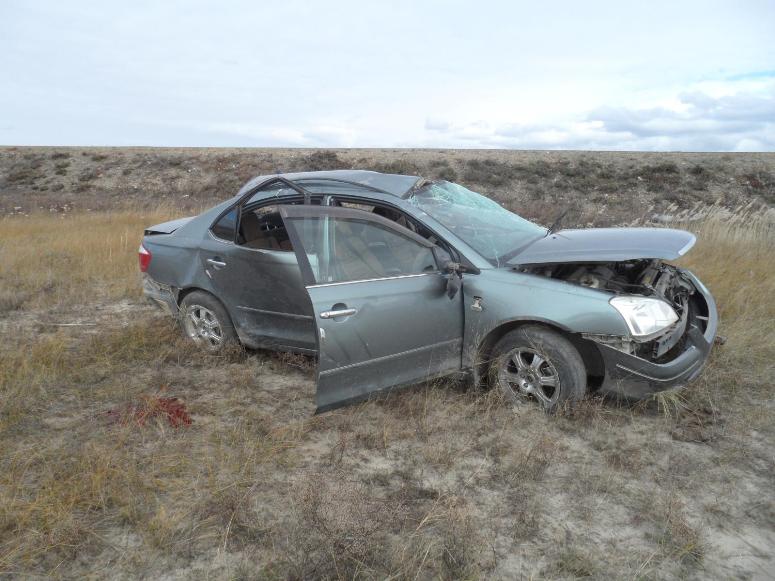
<point x="47" y="260"/>
<point x="735" y="257"/>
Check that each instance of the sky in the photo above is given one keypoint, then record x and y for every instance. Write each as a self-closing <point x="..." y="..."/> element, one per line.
<point x="678" y="75"/>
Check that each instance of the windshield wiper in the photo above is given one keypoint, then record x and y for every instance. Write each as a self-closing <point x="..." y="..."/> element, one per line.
<point x="507" y="257"/>
<point x="556" y="224"/>
<point x="511" y="255"/>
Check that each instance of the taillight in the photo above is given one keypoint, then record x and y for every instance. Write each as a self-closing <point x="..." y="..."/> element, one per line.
<point x="145" y="258"/>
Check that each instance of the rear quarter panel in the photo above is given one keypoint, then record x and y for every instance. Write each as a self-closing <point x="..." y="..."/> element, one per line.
<point x="175" y="262"/>
<point x="176" y="257"/>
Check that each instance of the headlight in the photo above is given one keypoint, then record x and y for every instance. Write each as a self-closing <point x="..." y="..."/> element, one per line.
<point x="645" y="317"/>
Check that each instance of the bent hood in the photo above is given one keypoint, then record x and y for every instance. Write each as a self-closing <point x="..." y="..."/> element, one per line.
<point x="607" y="245"/>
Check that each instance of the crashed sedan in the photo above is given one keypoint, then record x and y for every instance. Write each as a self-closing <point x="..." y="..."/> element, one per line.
<point x="391" y="280"/>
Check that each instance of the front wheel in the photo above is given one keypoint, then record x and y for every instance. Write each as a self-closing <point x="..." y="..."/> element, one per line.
<point x="536" y="363"/>
<point x="206" y="322"/>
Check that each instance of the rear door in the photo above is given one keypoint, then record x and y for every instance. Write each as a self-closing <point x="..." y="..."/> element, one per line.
<point x="383" y="318"/>
<point x="259" y="281"/>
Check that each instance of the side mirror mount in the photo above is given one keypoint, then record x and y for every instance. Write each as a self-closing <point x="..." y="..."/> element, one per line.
<point x="454" y="279"/>
<point x="451" y="269"/>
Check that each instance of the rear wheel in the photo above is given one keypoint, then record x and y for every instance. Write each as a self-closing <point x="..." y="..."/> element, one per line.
<point x="206" y="322"/>
<point x="538" y="364"/>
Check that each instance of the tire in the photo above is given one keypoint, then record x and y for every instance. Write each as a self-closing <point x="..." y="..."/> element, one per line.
<point x="551" y="372"/>
<point x="205" y="321"/>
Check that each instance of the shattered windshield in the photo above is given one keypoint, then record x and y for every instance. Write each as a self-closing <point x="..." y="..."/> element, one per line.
<point x="480" y="222"/>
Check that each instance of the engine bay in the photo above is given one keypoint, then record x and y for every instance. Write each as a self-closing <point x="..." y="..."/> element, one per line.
<point x="650" y="278"/>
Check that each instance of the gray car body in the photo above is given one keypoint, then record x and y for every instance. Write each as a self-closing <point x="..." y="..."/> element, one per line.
<point x="493" y="299"/>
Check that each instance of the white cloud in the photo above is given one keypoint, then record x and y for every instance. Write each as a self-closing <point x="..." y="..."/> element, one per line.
<point x="694" y="120"/>
<point x="734" y="121"/>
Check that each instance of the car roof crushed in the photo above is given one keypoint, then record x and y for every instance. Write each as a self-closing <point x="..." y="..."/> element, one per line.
<point x="392" y="184"/>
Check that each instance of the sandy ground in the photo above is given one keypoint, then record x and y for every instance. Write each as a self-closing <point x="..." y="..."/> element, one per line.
<point x="613" y="491"/>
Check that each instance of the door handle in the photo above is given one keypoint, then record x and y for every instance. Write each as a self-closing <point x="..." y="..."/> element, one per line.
<point x="217" y="264"/>
<point x="340" y="313"/>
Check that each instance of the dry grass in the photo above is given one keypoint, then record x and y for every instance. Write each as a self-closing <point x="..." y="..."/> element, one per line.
<point x="431" y="482"/>
<point x="46" y="260"/>
<point x="735" y="254"/>
<point x="600" y="188"/>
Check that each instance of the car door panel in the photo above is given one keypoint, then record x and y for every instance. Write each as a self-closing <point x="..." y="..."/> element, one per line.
<point x="404" y="330"/>
<point x="378" y="333"/>
<point x="264" y="293"/>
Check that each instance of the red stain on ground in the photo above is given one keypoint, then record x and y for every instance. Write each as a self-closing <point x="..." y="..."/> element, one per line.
<point x="171" y="408"/>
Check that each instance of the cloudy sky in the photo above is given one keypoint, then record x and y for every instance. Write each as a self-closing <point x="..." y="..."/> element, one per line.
<point x="658" y="75"/>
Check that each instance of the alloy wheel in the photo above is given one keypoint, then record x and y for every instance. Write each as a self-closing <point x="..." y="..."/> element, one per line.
<point x="203" y="326"/>
<point x="530" y="374"/>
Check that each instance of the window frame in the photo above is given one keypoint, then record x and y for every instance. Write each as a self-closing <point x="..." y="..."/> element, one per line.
<point x="307" y="196"/>
<point x="240" y="204"/>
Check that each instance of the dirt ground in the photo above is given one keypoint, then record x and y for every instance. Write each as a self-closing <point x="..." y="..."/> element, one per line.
<point x="435" y="481"/>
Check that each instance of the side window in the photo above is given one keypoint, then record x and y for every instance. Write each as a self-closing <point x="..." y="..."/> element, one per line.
<point x="346" y="249"/>
<point x="225" y="227"/>
<point x="362" y="250"/>
<point x="263" y="228"/>
<point x="393" y="215"/>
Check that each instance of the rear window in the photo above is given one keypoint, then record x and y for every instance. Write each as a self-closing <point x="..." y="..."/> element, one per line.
<point x="225" y="228"/>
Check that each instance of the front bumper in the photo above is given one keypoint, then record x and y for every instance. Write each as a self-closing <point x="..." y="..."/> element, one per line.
<point x="637" y="378"/>
<point x="160" y="295"/>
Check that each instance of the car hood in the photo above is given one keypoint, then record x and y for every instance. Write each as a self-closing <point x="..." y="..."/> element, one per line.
<point x="606" y="245"/>
<point x="167" y="227"/>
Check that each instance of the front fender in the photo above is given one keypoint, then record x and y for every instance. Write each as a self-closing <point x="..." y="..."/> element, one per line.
<point x="505" y="297"/>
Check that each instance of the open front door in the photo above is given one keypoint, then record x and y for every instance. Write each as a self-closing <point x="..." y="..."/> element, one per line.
<point x="381" y="309"/>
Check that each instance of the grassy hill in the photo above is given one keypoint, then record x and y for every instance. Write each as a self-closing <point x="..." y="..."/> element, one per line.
<point x="602" y="188"/>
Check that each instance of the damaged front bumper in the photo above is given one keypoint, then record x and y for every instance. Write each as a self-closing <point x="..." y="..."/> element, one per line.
<point x="160" y="295"/>
<point x="636" y="378"/>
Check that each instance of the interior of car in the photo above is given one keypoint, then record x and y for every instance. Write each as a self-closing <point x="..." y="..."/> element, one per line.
<point x="263" y="228"/>
<point x="362" y="252"/>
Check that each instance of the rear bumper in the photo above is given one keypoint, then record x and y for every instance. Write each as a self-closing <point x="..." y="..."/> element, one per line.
<point x="160" y="295"/>
<point x="636" y="378"/>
